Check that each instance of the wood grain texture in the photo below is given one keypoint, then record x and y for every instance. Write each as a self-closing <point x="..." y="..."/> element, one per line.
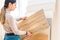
<point x="37" y="37"/>
<point x="35" y="23"/>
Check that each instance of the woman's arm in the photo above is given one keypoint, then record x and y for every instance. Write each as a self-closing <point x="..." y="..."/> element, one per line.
<point x="18" y="19"/>
<point x="13" y="25"/>
<point x="24" y="18"/>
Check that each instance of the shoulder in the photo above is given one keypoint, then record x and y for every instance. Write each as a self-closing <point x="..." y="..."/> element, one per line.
<point x="8" y="16"/>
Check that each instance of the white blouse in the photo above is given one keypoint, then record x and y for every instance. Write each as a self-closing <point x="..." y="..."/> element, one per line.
<point x="10" y="25"/>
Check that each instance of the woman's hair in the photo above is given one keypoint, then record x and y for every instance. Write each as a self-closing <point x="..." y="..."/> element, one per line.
<point x="9" y="1"/>
<point x="2" y="15"/>
<point x="3" y="10"/>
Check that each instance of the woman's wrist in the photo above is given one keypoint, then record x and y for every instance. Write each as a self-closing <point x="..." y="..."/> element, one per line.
<point x="26" y="33"/>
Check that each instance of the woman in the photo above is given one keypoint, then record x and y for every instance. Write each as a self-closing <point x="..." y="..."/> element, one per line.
<point x="9" y="23"/>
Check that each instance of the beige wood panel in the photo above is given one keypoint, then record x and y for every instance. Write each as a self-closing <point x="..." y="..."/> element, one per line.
<point x="37" y="37"/>
<point x="35" y="23"/>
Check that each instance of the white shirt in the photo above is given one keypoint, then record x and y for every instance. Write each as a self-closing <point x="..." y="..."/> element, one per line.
<point x="10" y="25"/>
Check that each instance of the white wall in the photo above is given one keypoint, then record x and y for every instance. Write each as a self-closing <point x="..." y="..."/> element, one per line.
<point x="2" y="32"/>
<point x="56" y="22"/>
<point x="1" y="3"/>
<point x="47" y="5"/>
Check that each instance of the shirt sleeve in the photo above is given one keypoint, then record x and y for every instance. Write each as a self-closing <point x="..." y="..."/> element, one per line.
<point x="13" y="24"/>
<point x="18" y="19"/>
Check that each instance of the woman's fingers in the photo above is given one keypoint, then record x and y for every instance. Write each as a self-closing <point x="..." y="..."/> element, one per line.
<point x="24" y="18"/>
<point x="29" y="34"/>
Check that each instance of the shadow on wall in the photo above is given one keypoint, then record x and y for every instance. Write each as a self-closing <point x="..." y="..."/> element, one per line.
<point x="49" y="21"/>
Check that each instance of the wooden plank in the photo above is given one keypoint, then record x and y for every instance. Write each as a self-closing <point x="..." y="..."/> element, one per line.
<point x="35" y="23"/>
<point x="37" y="37"/>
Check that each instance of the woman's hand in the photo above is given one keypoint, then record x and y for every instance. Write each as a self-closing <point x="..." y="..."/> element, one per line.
<point x="18" y="19"/>
<point x="24" y="18"/>
<point x="29" y="34"/>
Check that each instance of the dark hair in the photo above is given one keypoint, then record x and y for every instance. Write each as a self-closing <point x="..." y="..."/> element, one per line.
<point x="3" y="10"/>
<point x="8" y="1"/>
